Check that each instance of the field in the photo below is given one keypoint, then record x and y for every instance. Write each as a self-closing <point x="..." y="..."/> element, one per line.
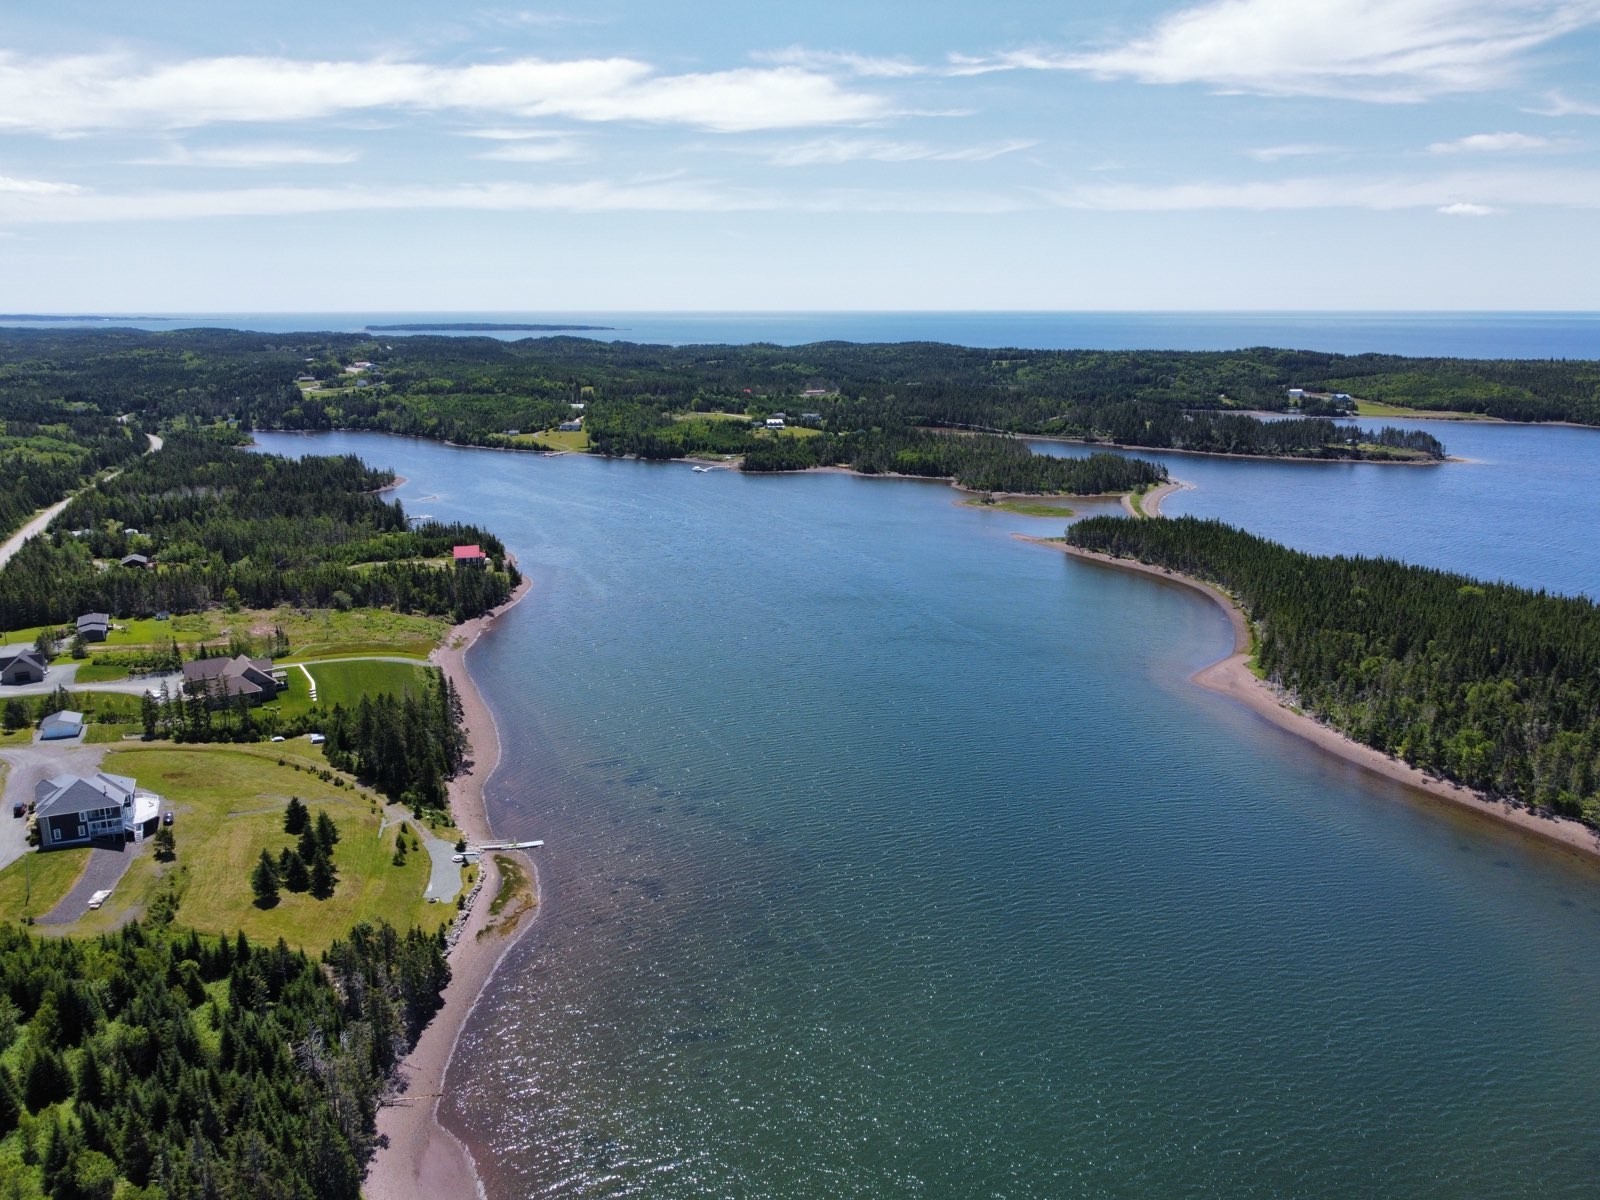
<point x="1376" y="408"/>
<point x="345" y="682"/>
<point x="312" y="633"/>
<point x="229" y="805"/>
<point x="1023" y="508"/>
<point x="554" y="439"/>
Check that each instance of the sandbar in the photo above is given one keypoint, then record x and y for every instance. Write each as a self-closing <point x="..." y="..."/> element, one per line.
<point x="1232" y="677"/>
<point x="417" y="1156"/>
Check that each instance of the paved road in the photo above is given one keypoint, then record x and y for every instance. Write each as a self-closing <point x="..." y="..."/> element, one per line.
<point x="42" y="522"/>
<point x="65" y="675"/>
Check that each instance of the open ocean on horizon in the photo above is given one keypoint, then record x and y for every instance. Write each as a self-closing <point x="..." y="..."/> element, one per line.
<point x="1424" y="334"/>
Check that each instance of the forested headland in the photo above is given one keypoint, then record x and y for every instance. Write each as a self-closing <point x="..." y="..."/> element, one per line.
<point x="221" y="525"/>
<point x="152" y="1064"/>
<point x="1488" y="685"/>
<point x="664" y="401"/>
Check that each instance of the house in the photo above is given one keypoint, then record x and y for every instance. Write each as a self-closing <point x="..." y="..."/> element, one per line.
<point x="774" y="422"/>
<point x="60" y="726"/>
<point x="571" y="426"/>
<point x="22" y="664"/>
<point x="73" y="811"/>
<point x="137" y="561"/>
<point x="222" y="679"/>
<point x="94" y="627"/>
<point x="1341" y="397"/>
<point x="811" y="418"/>
<point x="130" y="531"/>
<point x="1297" y="393"/>
<point x="470" y="556"/>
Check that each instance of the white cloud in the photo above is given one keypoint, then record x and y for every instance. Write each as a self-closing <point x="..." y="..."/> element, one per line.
<point x="842" y="150"/>
<point x="544" y="150"/>
<point x="654" y="195"/>
<point x="1376" y="50"/>
<point x="1558" y="105"/>
<point x="248" y="156"/>
<point x="1270" y="154"/>
<point x="36" y="187"/>
<point x="1572" y="189"/>
<point x="1459" y="209"/>
<point x="71" y="95"/>
<point x="1490" y="143"/>
<point x="829" y="60"/>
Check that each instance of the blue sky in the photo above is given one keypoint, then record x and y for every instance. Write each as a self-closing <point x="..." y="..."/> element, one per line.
<point x="1227" y="154"/>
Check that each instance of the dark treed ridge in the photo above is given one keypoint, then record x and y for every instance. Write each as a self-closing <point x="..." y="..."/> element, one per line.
<point x="1492" y="686"/>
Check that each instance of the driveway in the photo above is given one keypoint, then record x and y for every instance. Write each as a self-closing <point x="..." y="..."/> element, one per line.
<point x="28" y="765"/>
<point x="106" y="868"/>
<point x="444" y="881"/>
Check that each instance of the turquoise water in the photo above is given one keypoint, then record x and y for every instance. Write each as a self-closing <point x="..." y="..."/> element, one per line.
<point x="889" y="856"/>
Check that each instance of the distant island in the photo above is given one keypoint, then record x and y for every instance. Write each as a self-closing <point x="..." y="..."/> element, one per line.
<point x="42" y="317"/>
<point x="481" y="327"/>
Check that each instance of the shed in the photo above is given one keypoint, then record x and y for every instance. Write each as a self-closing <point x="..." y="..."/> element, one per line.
<point x="94" y="627"/>
<point x="137" y="561"/>
<point x="60" y="726"/>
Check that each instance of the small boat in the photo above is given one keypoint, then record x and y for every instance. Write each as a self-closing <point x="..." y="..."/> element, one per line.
<point x="700" y="470"/>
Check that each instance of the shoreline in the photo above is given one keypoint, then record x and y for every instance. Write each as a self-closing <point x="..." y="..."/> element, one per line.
<point x="417" y="1155"/>
<point x="1150" y="503"/>
<point x="1231" y="677"/>
<point x="1287" y="458"/>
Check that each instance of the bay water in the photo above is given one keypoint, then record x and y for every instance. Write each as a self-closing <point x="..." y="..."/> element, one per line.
<point x="889" y="855"/>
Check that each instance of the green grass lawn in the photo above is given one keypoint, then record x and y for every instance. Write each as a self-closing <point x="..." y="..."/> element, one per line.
<point x="229" y="804"/>
<point x="1376" y="408"/>
<point x="312" y="633"/>
<point x="35" y="883"/>
<point x="346" y="682"/>
<point x="554" y="439"/>
<point x="1023" y="508"/>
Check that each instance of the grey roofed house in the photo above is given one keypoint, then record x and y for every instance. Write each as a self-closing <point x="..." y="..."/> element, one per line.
<point x="94" y="627"/>
<point x="136" y="560"/>
<point x="22" y="664"/>
<point x="73" y="810"/>
<point x="224" y="678"/>
<point x="59" y="725"/>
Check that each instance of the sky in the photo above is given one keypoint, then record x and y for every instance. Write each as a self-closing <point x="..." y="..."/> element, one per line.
<point x="188" y="156"/>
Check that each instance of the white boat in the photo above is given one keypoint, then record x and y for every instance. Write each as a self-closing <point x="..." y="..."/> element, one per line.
<point x="700" y="469"/>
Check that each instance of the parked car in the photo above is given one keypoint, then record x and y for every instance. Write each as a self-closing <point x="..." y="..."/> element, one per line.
<point x="277" y="737"/>
<point x="166" y="817"/>
<point x="18" y="809"/>
<point x="458" y="858"/>
<point x="317" y="739"/>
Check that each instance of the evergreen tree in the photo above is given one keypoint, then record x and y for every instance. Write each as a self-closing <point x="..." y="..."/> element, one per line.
<point x="296" y="816"/>
<point x="296" y="877"/>
<point x="323" y="877"/>
<point x="264" y="881"/>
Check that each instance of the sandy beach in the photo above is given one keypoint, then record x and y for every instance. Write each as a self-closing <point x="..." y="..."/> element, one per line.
<point x="422" y="1159"/>
<point x="1233" y="678"/>
<point x="1150" y="502"/>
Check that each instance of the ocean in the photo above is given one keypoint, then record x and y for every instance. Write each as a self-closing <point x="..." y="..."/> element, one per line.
<point x="1459" y="335"/>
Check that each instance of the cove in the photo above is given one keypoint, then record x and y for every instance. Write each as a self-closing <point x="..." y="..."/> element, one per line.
<point x="887" y="856"/>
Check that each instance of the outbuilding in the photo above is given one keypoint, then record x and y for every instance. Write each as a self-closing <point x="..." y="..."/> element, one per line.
<point x="22" y="664"/>
<point x="60" y="726"/>
<point x="94" y="627"/>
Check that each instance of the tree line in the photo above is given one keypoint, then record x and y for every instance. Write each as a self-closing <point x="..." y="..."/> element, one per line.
<point x="407" y="747"/>
<point x="222" y="524"/>
<point x="152" y="1064"/>
<point x="1492" y="686"/>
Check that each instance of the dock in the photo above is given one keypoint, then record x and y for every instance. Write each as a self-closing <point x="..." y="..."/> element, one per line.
<point x="531" y="845"/>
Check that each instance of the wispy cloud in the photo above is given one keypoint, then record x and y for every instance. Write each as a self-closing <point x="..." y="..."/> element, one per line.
<point x="822" y="151"/>
<point x="65" y="96"/>
<point x="1271" y="154"/>
<point x="592" y="196"/>
<point x="870" y="66"/>
<point x="248" y="156"/>
<point x="1493" y="190"/>
<point x="1491" y="143"/>
<point x="544" y="150"/>
<point x="1374" y="50"/>
<point x="1558" y="105"/>
<point x="1459" y="209"/>
<point x="36" y="187"/>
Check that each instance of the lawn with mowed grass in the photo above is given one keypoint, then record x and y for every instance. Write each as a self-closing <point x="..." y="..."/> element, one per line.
<point x="346" y="682"/>
<point x="229" y="805"/>
<point x="36" y="883"/>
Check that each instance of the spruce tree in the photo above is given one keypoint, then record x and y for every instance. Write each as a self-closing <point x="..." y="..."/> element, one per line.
<point x="296" y="816"/>
<point x="264" y="881"/>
